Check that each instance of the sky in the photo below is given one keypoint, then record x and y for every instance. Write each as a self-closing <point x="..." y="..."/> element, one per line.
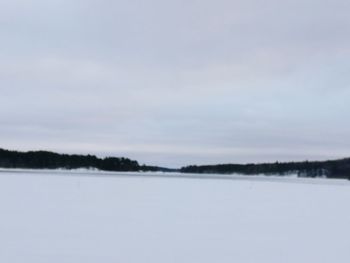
<point x="175" y="82"/>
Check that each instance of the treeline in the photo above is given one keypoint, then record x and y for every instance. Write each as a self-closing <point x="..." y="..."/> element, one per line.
<point x="329" y="169"/>
<point x="51" y="160"/>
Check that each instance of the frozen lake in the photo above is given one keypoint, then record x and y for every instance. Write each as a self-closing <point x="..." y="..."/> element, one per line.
<point x="63" y="217"/>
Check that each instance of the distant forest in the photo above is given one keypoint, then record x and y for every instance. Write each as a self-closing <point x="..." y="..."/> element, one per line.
<point x="51" y="160"/>
<point x="329" y="169"/>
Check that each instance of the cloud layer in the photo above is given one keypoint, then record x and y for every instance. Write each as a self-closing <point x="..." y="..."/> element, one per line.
<point x="177" y="82"/>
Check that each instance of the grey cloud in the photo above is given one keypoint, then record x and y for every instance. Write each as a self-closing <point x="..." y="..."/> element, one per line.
<point x="176" y="82"/>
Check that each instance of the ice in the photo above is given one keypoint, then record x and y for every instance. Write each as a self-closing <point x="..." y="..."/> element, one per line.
<point x="90" y="216"/>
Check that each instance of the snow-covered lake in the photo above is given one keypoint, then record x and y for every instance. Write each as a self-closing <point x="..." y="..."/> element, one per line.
<point x="84" y="217"/>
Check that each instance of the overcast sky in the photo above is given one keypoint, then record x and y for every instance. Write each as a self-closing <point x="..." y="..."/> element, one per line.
<point x="176" y="82"/>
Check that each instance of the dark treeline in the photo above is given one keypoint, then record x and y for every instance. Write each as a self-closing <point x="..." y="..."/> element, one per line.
<point x="51" y="160"/>
<point x="329" y="169"/>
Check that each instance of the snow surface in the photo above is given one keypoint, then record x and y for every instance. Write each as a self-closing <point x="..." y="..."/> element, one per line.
<point x="84" y="216"/>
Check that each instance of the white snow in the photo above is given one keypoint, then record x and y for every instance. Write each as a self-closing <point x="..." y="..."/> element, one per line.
<point x="88" y="217"/>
